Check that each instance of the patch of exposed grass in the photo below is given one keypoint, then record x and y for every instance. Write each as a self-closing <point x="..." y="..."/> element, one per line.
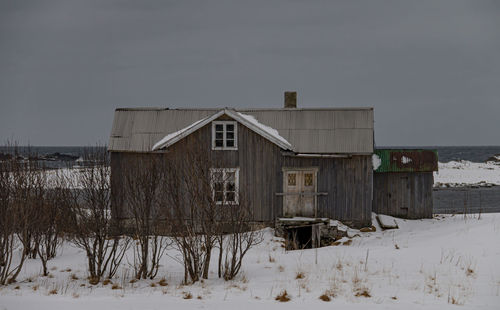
<point x="162" y="282"/>
<point x="348" y="242"/>
<point x="325" y="297"/>
<point x="283" y="296"/>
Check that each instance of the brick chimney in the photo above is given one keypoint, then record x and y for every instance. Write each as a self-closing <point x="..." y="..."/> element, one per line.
<point x="290" y="100"/>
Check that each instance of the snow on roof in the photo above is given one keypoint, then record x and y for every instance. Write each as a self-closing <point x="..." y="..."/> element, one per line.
<point x="176" y="135"/>
<point x="247" y="120"/>
<point x="268" y="130"/>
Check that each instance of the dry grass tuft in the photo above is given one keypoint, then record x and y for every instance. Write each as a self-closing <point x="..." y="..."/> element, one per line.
<point x="116" y="287"/>
<point x="469" y="271"/>
<point x="362" y="293"/>
<point x="368" y="229"/>
<point x="335" y="243"/>
<point x="53" y="292"/>
<point x="271" y="259"/>
<point x="199" y="297"/>
<point x="17" y="287"/>
<point x="187" y="295"/>
<point x="73" y="277"/>
<point x="133" y="281"/>
<point x="283" y="297"/>
<point x="394" y="298"/>
<point x="106" y="282"/>
<point x="281" y="268"/>
<point x="94" y="281"/>
<point x="325" y="297"/>
<point x="300" y="275"/>
<point x="162" y="282"/>
<point x="348" y="242"/>
<point x="152" y="285"/>
<point x="396" y="246"/>
<point x="35" y="287"/>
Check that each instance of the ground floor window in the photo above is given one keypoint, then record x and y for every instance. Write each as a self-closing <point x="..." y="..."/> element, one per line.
<point x="225" y="184"/>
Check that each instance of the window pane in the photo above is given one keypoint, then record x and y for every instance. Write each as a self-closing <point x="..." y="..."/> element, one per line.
<point x="230" y="187"/>
<point x="308" y="179"/>
<point x="219" y="143"/>
<point x="230" y="143"/>
<point x="219" y="127"/>
<point x="219" y="186"/>
<point x="219" y="196"/>
<point x="219" y="135"/>
<point x="230" y="127"/>
<point x="230" y="135"/>
<point x="230" y="196"/>
<point x="292" y="179"/>
<point x="230" y="176"/>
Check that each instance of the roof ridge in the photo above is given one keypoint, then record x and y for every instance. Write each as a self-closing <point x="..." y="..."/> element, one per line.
<point x="246" y="109"/>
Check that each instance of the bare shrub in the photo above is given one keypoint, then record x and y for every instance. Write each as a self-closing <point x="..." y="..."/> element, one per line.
<point x="241" y="237"/>
<point x="92" y="227"/>
<point x="193" y="209"/>
<point x="144" y="198"/>
<point x="18" y="178"/>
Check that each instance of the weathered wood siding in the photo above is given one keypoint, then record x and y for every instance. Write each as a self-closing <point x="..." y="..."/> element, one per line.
<point x="405" y="195"/>
<point x="348" y="181"/>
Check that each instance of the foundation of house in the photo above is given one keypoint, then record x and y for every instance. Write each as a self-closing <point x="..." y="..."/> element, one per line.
<point x="305" y="233"/>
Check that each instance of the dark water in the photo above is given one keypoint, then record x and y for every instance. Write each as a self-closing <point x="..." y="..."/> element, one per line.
<point x="47" y="154"/>
<point x="466" y="200"/>
<point x="476" y="154"/>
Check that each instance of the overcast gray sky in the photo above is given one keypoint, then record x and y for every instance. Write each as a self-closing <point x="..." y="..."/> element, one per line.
<point x="431" y="69"/>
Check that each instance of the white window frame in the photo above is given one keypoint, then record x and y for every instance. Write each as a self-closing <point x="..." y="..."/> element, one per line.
<point x="224" y="147"/>
<point x="225" y="178"/>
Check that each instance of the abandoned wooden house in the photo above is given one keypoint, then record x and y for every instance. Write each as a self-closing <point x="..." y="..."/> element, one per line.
<point x="292" y="162"/>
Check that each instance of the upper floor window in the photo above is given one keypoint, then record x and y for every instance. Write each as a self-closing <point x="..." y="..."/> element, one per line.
<point x="224" y="135"/>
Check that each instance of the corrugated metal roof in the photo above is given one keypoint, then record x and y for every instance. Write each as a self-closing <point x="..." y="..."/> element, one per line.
<point x="411" y="160"/>
<point x="339" y="130"/>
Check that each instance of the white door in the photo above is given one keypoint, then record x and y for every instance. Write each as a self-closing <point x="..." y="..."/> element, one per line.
<point x="299" y="189"/>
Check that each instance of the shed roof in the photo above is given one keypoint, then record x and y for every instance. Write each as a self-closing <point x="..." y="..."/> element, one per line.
<point x="406" y="160"/>
<point x="323" y="130"/>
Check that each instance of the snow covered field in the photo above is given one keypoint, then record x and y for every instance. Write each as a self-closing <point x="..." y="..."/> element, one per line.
<point x="459" y="173"/>
<point x="437" y="264"/>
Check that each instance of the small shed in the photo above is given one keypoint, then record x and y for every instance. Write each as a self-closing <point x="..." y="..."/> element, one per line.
<point x="403" y="181"/>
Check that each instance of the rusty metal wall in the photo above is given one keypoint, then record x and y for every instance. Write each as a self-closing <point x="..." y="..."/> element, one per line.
<point x="412" y="160"/>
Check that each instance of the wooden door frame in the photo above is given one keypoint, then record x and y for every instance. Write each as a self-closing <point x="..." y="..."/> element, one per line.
<point x="315" y="171"/>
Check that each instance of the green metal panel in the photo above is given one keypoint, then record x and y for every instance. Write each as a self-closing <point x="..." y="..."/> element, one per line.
<point x="409" y="160"/>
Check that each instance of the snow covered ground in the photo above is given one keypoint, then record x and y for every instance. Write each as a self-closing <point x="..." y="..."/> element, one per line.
<point x="459" y="173"/>
<point x="435" y="263"/>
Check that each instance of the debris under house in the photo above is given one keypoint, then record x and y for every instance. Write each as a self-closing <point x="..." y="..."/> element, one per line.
<point x="306" y="233"/>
